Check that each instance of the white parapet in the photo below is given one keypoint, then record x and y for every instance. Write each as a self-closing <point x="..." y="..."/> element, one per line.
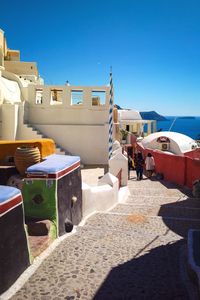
<point x="119" y="162"/>
<point x="119" y="150"/>
<point x="116" y="145"/>
<point x="101" y="197"/>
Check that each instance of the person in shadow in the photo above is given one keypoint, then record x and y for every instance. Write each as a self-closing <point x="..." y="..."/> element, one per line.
<point x="139" y="161"/>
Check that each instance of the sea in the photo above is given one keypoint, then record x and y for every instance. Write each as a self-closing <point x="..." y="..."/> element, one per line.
<point x="186" y="125"/>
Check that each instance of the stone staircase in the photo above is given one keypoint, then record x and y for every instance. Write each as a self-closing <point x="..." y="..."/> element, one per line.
<point x="30" y="132"/>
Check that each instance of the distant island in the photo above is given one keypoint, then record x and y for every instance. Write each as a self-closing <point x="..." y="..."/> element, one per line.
<point x="152" y="115"/>
<point x="147" y="115"/>
<point x="186" y="117"/>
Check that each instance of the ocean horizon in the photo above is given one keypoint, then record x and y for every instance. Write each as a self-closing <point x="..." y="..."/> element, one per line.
<point x="187" y="125"/>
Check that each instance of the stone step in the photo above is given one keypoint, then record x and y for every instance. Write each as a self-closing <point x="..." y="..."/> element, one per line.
<point x="161" y="200"/>
<point x="167" y="210"/>
<point x="141" y="223"/>
<point x="38" y="134"/>
<point x="160" y="191"/>
<point x="151" y="184"/>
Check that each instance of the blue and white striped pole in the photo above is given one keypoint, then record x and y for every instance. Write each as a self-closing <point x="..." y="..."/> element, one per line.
<point x="111" y="116"/>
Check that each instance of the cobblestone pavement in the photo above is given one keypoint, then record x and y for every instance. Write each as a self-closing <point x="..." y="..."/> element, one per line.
<point x="134" y="252"/>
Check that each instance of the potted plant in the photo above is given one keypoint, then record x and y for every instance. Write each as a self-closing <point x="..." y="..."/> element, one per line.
<point x="124" y="134"/>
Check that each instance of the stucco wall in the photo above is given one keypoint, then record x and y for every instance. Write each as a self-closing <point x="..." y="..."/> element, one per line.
<point x="9" y="121"/>
<point x="88" y="142"/>
<point x="119" y="162"/>
<point x="81" y="129"/>
<point x="192" y="171"/>
<point x="19" y="67"/>
<point x="63" y="111"/>
<point x="175" y="168"/>
<point x="10" y="91"/>
<point x="61" y="115"/>
<point x="1" y="38"/>
<point x="101" y="197"/>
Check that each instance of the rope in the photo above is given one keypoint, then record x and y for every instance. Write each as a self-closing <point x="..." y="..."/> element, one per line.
<point x="110" y="142"/>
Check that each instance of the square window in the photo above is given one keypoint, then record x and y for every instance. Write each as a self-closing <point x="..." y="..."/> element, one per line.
<point x="56" y="96"/>
<point x="38" y="96"/>
<point x="98" y="98"/>
<point x="76" y="97"/>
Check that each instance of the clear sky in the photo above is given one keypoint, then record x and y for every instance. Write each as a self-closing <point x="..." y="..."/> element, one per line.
<point x="152" y="45"/>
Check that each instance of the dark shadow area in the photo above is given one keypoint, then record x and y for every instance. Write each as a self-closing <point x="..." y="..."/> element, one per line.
<point x="180" y="216"/>
<point x="170" y="185"/>
<point x="153" y="276"/>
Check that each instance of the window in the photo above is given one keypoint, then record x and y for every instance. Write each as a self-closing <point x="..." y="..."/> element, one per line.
<point x="56" y="96"/>
<point x="76" y="97"/>
<point x="98" y="98"/>
<point x="38" y="96"/>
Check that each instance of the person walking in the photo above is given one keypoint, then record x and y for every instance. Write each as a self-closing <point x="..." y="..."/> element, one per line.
<point x="139" y="161"/>
<point x="150" y="165"/>
<point x="130" y="165"/>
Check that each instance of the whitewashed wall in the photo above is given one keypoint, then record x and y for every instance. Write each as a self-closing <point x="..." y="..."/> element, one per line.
<point x="9" y="115"/>
<point x="101" y="197"/>
<point x="63" y="112"/>
<point x="89" y="142"/>
<point x="81" y="129"/>
<point x="119" y="162"/>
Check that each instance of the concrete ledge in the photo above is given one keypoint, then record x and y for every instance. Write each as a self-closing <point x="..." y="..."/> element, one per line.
<point x="100" y="197"/>
<point x="123" y="194"/>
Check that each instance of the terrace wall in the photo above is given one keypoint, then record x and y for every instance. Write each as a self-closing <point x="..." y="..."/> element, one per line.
<point x="81" y="128"/>
<point x="181" y="170"/>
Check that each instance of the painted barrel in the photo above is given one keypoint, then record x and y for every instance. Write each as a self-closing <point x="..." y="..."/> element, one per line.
<point x="25" y="157"/>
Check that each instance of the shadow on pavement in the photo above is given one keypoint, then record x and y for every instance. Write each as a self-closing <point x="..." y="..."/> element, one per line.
<point x="181" y="216"/>
<point x="170" y="185"/>
<point x="155" y="275"/>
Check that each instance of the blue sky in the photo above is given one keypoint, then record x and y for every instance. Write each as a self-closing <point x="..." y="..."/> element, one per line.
<point x="152" y="45"/>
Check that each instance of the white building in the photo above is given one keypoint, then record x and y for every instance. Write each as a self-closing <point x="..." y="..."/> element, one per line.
<point x="75" y="117"/>
<point x="168" y="141"/>
<point x="134" y="121"/>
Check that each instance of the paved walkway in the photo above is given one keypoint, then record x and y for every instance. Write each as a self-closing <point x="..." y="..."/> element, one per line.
<point x="134" y="252"/>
